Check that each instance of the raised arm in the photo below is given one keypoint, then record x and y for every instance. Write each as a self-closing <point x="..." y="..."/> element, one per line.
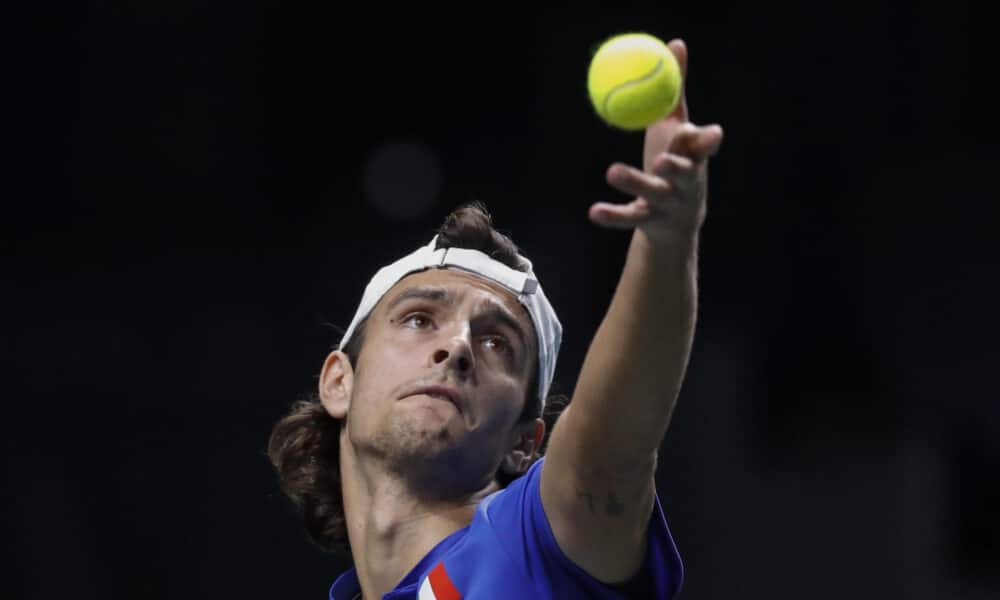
<point x="597" y="483"/>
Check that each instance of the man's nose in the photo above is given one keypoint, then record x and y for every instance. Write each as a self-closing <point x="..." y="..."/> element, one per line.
<point x="456" y="353"/>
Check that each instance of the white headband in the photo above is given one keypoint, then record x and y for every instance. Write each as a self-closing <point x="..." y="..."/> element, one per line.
<point x="524" y="285"/>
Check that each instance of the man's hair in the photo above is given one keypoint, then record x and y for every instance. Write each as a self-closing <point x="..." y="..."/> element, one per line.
<point x="304" y="445"/>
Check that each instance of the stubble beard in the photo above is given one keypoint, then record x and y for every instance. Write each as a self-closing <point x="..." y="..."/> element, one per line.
<point x="430" y="460"/>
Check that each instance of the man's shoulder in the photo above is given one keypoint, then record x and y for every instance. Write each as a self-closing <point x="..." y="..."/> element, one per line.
<point x="513" y="496"/>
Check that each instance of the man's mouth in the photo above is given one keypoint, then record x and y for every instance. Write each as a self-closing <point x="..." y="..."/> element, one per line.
<point x="441" y="393"/>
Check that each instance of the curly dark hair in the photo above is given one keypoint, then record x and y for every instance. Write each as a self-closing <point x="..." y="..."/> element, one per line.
<point x="304" y="447"/>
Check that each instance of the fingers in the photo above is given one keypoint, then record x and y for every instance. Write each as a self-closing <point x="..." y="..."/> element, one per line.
<point x="671" y="175"/>
<point x="680" y="173"/>
<point x="679" y="49"/>
<point x="696" y="143"/>
<point x="634" y="182"/>
<point x="671" y="171"/>
<point x="620" y="216"/>
<point x="667" y="164"/>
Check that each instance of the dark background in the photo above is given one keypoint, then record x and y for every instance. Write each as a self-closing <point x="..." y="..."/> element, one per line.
<point x="200" y="191"/>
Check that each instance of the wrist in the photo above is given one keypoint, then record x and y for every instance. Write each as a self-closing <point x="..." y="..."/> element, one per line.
<point x="674" y="243"/>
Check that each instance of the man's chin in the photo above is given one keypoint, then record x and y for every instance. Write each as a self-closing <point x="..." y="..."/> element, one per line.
<point x="430" y="458"/>
<point x="416" y="441"/>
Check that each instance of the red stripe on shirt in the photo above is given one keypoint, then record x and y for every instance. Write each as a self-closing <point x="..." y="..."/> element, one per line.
<point x="443" y="588"/>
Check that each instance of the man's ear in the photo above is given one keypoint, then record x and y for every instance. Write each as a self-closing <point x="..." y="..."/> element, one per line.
<point x="335" y="384"/>
<point x="527" y="442"/>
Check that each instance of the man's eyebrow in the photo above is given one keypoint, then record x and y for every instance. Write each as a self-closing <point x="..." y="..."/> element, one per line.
<point x="422" y="292"/>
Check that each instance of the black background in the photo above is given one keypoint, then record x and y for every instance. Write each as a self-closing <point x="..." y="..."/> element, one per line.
<point x="186" y="226"/>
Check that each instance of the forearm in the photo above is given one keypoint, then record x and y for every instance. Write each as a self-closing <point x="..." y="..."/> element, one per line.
<point x="633" y="371"/>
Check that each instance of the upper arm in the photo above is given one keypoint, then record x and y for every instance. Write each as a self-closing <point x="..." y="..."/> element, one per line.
<point x="599" y="513"/>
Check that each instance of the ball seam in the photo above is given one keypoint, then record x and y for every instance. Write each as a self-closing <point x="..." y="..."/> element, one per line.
<point x="631" y="82"/>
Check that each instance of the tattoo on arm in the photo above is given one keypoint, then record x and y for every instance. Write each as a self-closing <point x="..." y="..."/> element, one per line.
<point x="613" y="507"/>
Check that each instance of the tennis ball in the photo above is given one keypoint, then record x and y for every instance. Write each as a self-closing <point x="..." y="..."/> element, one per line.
<point x="634" y="80"/>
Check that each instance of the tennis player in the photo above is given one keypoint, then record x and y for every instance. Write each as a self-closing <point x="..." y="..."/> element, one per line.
<point x="429" y="454"/>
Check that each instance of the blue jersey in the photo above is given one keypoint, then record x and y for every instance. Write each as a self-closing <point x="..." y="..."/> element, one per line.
<point x="509" y="551"/>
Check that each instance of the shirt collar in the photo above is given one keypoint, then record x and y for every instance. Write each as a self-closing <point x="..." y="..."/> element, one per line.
<point x="347" y="586"/>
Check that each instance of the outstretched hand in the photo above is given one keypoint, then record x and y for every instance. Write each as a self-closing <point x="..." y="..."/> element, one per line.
<point x="671" y="189"/>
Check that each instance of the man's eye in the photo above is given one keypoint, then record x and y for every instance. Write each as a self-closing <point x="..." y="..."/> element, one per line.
<point x="496" y="343"/>
<point x="417" y="321"/>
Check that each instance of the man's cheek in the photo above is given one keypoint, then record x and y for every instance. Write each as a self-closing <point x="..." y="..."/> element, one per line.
<point x="400" y="352"/>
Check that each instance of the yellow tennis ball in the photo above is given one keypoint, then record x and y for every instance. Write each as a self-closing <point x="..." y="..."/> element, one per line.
<point x="634" y="80"/>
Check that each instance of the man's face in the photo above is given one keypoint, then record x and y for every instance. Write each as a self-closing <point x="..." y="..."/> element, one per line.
<point x="442" y="377"/>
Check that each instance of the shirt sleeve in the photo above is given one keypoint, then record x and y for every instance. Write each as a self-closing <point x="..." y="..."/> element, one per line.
<point x="518" y="519"/>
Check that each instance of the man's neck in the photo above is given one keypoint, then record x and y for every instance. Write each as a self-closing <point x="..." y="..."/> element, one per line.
<point x="390" y="528"/>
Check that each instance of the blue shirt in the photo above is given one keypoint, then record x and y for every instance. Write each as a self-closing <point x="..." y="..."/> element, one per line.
<point x="509" y="551"/>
